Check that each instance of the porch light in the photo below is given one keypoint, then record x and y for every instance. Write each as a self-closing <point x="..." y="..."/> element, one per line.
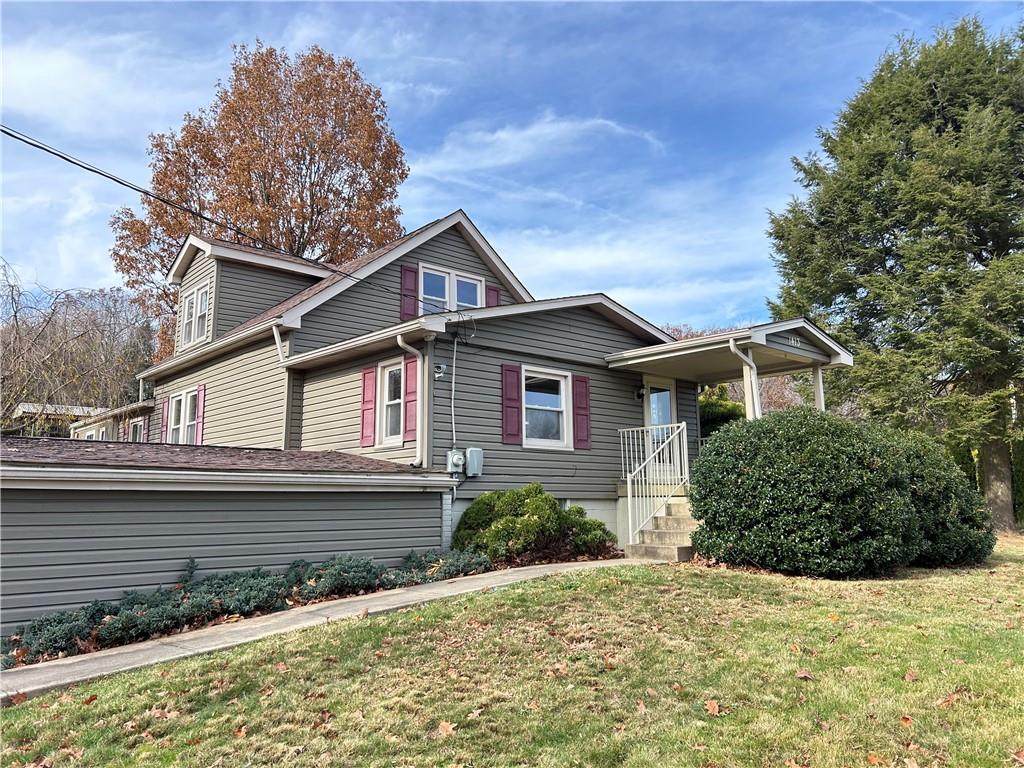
<point x="641" y="393"/>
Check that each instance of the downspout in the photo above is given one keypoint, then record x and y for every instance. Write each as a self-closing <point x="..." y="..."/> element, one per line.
<point x="281" y="357"/>
<point x="421" y="395"/>
<point x="748" y="362"/>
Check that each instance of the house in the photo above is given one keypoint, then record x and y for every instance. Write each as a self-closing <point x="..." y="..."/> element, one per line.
<point x="430" y="353"/>
<point x="45" y="419"/>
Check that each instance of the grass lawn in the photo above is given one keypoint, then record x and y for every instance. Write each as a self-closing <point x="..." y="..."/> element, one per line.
<point x="667" y="665"/>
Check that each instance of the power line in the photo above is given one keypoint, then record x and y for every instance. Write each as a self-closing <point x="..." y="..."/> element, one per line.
<point x="68" y="158"/>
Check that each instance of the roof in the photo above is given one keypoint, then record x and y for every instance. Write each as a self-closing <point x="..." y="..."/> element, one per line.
<point x="103" y="414"/>
<point x="216" y="248"/>
<point x="204" y="458"/>
<point x="53" y="409"/>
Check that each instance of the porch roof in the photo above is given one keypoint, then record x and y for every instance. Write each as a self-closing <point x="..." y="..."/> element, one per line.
<point x="787" y="346"/>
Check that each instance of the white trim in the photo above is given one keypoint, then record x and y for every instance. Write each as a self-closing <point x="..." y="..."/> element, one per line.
<point x="183" y="396"/>
<point x="566" y="443"/>
<point x="604" y="305"/>
<point x="195" y="245"/>
<point x="666" y="383"/>
<point x="426" y="324"/>
<point x="212" y="349"/>
<point x="457" y="219"/>
<point x="89" y="434"/>
<point x="193" y="296"/>
<point x="141" y="422"/>
<point x="111" y="412"/>
<point x="452" y="278"/>
<point x="383" y="441"/>
<point x="104" y="478"/>
<point x="840" y="354"/>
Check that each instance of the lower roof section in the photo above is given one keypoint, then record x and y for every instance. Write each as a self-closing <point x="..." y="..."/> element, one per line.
<point x="60" y="462"/>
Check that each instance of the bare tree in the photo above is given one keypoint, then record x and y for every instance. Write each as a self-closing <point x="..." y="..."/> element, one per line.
<point x="69" y="347"/>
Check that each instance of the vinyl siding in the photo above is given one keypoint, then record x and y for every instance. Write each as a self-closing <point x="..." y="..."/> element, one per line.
<point x="62" y="549"/>
<point x="111" y="426"/>
<point x="244" y="291"/>
<point x="375" y="303"/>
<point x="574" y="341"/>
<point x="245" y="398"/>
<point x="331" y="411"/>
<point x="201" y="271"/>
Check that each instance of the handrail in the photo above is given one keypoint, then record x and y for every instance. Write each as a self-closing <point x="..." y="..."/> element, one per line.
<point x="655" y="464"/>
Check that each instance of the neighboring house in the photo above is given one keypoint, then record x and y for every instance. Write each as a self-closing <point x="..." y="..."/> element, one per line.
<point x="127" y="424"/>
<point x="430" y="352"/>
<point x="46" y="419"/>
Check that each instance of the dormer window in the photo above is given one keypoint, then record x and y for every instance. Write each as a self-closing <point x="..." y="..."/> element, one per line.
<point x="442" y="290"/>
<point x="195" y="311"/>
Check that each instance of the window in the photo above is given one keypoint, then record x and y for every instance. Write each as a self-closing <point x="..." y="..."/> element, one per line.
<point x="390" y="385"/>
<point x="103" y="433"/>
<point x="181" y="425"/>
<point x="90" y="435"/>
<point x="545" y="405"/>
<point x="195" y="311"/>
<point x="135" y="434"/>
<point x="442" y="290"/>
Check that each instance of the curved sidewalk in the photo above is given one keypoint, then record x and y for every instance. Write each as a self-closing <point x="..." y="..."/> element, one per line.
<point x="36" y="679"/>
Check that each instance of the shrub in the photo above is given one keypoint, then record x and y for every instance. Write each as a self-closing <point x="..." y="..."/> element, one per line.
<point x="490" y="506"/>
<point x="800" y="491"/>
<point x="804" y="492"/>
<point x="956" y="527"/>
<point x="339" y="576"/>
<point x="545" y="531"/>
<point x="426" y="567"/>
<point x="717" y="409"/>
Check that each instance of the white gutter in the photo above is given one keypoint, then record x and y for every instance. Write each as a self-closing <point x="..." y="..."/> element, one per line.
<point x="106" y="478"/>
<point x="208" y="350"/>
<point x="421" y="396"/>
<point x="749" y="381"/>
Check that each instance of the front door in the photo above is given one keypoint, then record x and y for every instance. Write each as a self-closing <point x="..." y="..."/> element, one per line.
<point x="659" y="414"/>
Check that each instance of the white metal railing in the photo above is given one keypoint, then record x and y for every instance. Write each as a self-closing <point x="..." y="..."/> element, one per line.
<point x="655" y="465"/>
<point x="703" y="443"/>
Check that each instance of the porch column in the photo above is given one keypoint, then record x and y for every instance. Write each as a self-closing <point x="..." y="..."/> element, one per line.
<point x="751" y="393"/>
<point x="819" y="388"/>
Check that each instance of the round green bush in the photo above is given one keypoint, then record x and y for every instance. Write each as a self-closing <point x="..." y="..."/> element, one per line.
<point x="488" y="507"/>
<point x="804" y="492"/>
<point x="545" y="531"/>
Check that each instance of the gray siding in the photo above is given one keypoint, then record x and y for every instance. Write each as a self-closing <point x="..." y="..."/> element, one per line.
<point x="331" y="411"/>
<point x="62" y="549"/>
<point x="201" y="271"/>
<point x="574" y="341"/>
<point x="365" y="307"/>
<point x="245" y="398"/>
<point x="243" y="291"/>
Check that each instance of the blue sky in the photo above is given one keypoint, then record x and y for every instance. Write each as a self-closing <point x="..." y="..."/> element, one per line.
<point x="631" y="149"/>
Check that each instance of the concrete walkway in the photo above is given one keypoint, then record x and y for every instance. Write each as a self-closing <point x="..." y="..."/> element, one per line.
<point x="35" y="679"/>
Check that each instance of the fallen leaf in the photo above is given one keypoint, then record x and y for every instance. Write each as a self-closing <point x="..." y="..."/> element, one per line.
<point x="651" y="692"/>
<point x="445" y="729"/>
<point x="475" y="714"/>
<point x="609" y="661"/>
<point x="240" y="732"/>
<point x="794" y="648"/>
<point x="1018" y="756"/>
<point x="18" y="697"/>
<point x="906" y="721"/>
<point x="833" y="617"/>
<point x="910" y="762"/>
<point x="948" y="700"/>
<point x="364" y="613"/>
<point x="803" y="674"/>
<point x="281" y="666"/>
<point x="711" y="705"/>
<point x="876" y="759"/>
<point x="641" y="708"/>
<point x="824" y="725"/>
<point x="910" y="676"/>
<point x="699" y="747"/>
<point x="677" y="688"/>
<point x="194" y="741"/>
<point x="358" y="715"/>
<point x="89" y="699"/>
<point x="533" y="705"/>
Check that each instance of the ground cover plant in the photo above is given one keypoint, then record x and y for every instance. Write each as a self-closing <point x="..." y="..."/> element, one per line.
<point x="620" y="666"/>
<point x="528" y="525"/>
<point x="805" y="492"/>
<point x="195" y="602"/>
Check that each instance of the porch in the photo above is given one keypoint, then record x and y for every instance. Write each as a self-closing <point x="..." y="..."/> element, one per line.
<point x="655" y="458"/>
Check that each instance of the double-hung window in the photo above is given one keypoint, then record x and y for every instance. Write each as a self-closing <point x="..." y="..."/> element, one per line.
<point x="546" y="404"/>
<point x="90" y="435"/>
<point x="443" y="290"/>
<point x="391" y="385"/>
<point x="195" y="311"/>
<point x="135" y="431"/>
<point x="181" y="426"/>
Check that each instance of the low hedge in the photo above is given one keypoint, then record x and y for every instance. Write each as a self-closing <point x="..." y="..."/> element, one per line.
<point x="527" y="524"/>
<point x="804" y="492"/>
<point x="194" y="602"/>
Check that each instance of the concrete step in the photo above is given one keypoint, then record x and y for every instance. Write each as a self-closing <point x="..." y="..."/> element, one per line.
<point x="663" y="552"/>
<point x="675" y="523"/>
<point x="678" y="507"/>
<point x="652" y="536"/>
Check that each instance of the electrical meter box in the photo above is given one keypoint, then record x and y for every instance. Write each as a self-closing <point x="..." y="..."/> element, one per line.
<point x="474" y="462"/>
<point x="456" y="461"/>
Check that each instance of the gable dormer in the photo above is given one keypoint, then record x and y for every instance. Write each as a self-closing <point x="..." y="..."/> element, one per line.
<point x="223" y="284"/>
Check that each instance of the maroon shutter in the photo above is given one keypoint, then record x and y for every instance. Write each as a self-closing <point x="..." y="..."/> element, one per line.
<point x="581" y="412"/>
<point x="163" y="420"/>
<point x="145" y="429"/>
<point x="200" y="412"/>
<point x="410" y="293"/>
<point x="409" y="397"/>
<point x="511" y="405"/>
<point x="493" y="295"/>
<point x="369" y="407"/>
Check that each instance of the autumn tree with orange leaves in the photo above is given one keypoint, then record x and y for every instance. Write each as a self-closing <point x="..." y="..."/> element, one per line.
<point x="296" y="151"/>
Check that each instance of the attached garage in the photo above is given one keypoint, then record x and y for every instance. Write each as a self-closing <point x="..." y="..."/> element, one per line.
<point x="85" y="521"/>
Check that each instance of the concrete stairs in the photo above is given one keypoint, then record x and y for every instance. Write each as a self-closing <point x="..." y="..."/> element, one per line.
<point x="667" y="536"/>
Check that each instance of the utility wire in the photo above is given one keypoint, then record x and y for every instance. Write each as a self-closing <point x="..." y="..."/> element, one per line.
<point x="42" y="146"/>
